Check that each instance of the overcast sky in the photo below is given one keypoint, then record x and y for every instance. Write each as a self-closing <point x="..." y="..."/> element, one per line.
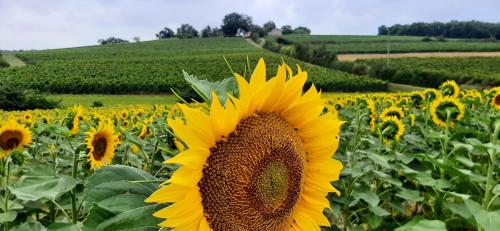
<point x="41" y="24"/>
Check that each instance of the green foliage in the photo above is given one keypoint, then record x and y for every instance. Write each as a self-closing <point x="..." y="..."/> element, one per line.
<point x="430" y="72"/>
<point x="452" y="29"/>
<point x="156" y="67"/>
<point x="234" y="23"/>
<point x="186" y="31"/>
<point x="115" y="196"/>
<point x="165" y="33"/>
<point x="97" y="104"/>
<point x="17" y="99"/>
<point x="343" y="44"/>
<point x="111" y="40"/>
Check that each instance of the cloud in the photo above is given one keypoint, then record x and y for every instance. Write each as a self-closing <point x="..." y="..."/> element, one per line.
<point x="41" y="24"/>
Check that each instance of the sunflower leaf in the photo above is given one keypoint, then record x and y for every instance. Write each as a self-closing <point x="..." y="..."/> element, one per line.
<point x="116" y="201"/>
<point x="204" y="88"/>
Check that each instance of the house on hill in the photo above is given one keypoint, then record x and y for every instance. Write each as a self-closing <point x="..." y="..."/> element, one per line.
<point x="275" y="32"/>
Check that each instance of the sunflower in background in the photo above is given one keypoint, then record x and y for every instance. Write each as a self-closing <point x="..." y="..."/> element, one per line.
<point x="450" y="88"/>
<point x="13" y="136"/>
<point x="73" y="119"/>
<point x="495" y="101"/>
<point x="412" y="120"/>
<point x="446" y="106"/>
<point x="261" y="162"/>
<point x="391" y="129"/>
<point x="372" y="119"/>
<point x="393" y="111"/>
<point x="101" y="143"/>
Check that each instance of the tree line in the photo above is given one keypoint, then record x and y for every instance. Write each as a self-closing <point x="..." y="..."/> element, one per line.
<point x="452" y="29"/>
<point x="233" y="24"/>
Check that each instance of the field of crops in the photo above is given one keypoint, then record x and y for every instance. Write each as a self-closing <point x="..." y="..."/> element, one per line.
<point x="418" y="161"/>
<point x="397" y="44"/>
<point x="155" y="67"/>
<point x="433" y="71"/>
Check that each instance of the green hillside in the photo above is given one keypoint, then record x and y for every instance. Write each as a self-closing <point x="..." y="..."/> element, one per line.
<point x="156" y="66"/>
<point x="344" y="44"/>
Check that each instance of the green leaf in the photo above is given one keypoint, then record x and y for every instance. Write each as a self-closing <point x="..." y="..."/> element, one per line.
<point x="489" y="221"/>
<point x="30" y="225"/>
<point x="378" y="211"/>
<point x="459" y="208"/>
<point x="8" y="216"/>
<point x="115" y="195"/>
<point x="368" y="196"/>
<point x="205" y="88"/>
<point x="32" y="188"/>
<point x="64" y="227"/>
<point x="420" y="224"/>
<point x="427" y="180"/>
<point x="411" y="195"/>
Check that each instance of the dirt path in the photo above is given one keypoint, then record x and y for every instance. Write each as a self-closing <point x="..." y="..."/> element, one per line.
<point x="13" y="60"/>
<point x="353" y="57"/>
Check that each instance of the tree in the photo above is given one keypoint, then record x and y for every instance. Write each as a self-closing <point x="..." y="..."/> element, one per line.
<point x="137" y="39"/>
<point x="269" y="26"/>
<point x="235" y="23"/>
<point x="206" y="32"/>
<point x="286" y="29"/>
<point x="302" y="30"/>
<point x="165" y="33"/>
<point x="186" y="31"/>
<point x="211" y="32"/>
<point x="111" y="40"/>
<point x="257" y="31"/>
<point x="382" y="30"/>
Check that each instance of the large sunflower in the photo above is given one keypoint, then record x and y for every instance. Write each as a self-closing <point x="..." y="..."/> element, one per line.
<point x="450" y="88"/>
<point x="13" y="136"/>
<point x="442" y="106"/>
<point x="261" y="162"/>
<point x="101" y="143"/>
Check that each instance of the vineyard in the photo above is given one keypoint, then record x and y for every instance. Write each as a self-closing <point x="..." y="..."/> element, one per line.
<point x="430" y="72"/>
<point x="155" y="67"/>
<point x="344" y="44"/>
<point x="412" y="161"/>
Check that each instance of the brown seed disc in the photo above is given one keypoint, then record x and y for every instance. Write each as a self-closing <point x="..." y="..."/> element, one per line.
<point x="497" y="99"/>
<point x="253" y="179"/>
<point x="10" y="139"/>
<point x="100" y="144"/>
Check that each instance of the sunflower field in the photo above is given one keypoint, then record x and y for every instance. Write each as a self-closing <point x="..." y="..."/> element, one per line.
<point x="267" y="157"/>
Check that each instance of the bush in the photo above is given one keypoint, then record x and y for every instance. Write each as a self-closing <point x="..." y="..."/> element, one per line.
<point x="288" y="50"/>
<point x="12" y="99"/>
<point x="97" y="104"/>
<point x="427" y="39"/>
<point x="3" y="63"/>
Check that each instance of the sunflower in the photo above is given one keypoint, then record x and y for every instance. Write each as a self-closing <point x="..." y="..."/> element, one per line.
<point x="13" y="136"/>
<point x="495" y="101"/>
<point x="261" y="162"/>
<point x="446" y="106"/>
<point x="73" y="119"/>
<point x="101" y="143"/>
<point x="412" y="120"/>
<point x="393" y="111"/>
<point x="391" y="129"/>
<point x="450" y="88"/>
<point x="372" y="119"/>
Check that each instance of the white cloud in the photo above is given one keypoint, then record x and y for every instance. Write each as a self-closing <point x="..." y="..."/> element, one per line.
<point x="40" y="24"/>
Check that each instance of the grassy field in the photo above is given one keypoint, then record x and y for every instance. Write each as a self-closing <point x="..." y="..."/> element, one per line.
<point x="354" y="57"/>
<point x="156" y="66"/>
<point x="113" y="100"/>
<point x="346" y="44"/>
<point x="13" y="60"/>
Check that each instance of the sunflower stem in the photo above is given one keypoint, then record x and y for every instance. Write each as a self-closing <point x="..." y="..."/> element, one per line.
<point x="491" y="168"/>
<point x="152" y="165"/>
<point x="6" y="195"/>
<point x="73" y="191"/>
